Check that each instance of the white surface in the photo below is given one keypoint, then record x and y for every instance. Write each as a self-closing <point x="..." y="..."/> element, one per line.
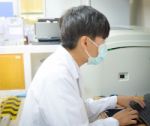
<point x="117" y="11"/>
<point x="133" y="59"/>
<point x="55" y="8"/>
<point x="136" y="62"/>
<point x="125" y="38"/>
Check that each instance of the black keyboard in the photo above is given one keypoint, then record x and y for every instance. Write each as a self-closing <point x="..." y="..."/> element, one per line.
<point x="144" y="113"/>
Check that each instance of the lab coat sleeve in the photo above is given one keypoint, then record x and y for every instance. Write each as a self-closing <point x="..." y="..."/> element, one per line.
<point x="105" y="122"/>
<point x="94" y="107"/>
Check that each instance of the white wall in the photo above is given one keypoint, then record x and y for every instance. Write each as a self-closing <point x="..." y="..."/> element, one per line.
<point x="112" y="11"/>
<point x="117" y="11"/>
<point x="85" y="2"/>
<point x="55" y="8"/>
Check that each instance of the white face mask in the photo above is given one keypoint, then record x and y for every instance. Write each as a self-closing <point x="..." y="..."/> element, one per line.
<point x="102" y="51"/>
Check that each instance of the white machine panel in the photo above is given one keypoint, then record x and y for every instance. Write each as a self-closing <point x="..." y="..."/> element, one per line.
<point x="126" y="69"/>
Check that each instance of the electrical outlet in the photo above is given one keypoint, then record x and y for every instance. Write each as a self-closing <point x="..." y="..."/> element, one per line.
<point x="123" y="76"/>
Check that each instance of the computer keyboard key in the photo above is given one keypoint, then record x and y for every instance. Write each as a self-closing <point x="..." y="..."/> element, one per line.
<point x="135" y="106"/>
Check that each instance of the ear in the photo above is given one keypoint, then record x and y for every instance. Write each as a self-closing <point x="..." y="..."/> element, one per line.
<point x="83" y="42"/>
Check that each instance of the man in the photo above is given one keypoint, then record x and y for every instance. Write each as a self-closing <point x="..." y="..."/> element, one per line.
<point x="54" y="97"/>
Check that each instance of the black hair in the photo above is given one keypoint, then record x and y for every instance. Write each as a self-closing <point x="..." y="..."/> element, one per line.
<point x="82" y="21"/>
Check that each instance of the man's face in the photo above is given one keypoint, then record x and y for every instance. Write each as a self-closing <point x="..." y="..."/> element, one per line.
<point x="93" y="45"/>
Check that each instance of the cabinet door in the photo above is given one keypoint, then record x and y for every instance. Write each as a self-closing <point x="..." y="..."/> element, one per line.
<point x="11" y="72"/>
<point x="31" y="6"/>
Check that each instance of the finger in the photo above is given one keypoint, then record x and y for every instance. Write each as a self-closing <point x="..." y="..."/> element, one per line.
<point x="134" y="117"/>
<point x="140" y="101"/>
<point x="142" y="104"/>
<point x="129" y="109"/>
<point x="141" y="125"/>
<point x="133" y="121"/>
<point x="133" y="112"/>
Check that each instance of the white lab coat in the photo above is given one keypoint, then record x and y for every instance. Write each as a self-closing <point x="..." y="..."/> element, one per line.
<point x="54" y="97"/>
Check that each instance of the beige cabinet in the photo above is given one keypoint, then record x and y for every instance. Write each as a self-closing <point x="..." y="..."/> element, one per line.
<point x="31" y="6"/>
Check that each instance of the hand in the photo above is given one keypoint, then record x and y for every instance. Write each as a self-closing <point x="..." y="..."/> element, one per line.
<point x="125" y="100"/>
<point x="126" y="117"/>
<point x="141" y="124"/>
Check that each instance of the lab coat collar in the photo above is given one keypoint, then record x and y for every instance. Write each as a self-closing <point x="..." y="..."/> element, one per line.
<point x="71" y="63"/>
